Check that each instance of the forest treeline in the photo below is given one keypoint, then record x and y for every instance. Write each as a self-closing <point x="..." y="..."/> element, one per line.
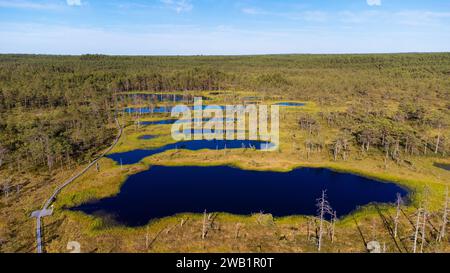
<point x="411" y="130"/>
<point x="59" y="109"/>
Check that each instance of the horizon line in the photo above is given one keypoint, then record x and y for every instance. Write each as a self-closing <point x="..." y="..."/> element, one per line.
<point x="222" y="55"/>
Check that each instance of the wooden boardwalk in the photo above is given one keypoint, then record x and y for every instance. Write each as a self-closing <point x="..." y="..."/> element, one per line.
<point x="45" y="209"/>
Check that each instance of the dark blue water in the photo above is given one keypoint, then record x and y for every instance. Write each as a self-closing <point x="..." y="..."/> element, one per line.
<point x="213" y="131"/>
<point x="158" y="122"/>
<point x="167" y="109"/>
<point x="442" y="166"/>
<point x="147" y="110"/>
<point x="135" y="156"/>
<point x="147" y="137"/>
<point x="166" y="191"/>
<point x="290" y="104"/>
<point x="163" y="97"/>
<point x="172" y="121"/>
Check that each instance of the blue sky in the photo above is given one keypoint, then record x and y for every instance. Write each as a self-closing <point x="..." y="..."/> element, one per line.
<point x="223" y="27"/>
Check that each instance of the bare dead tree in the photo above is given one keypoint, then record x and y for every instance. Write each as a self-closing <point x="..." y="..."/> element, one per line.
<point x="397" y="214"/>
<point x="308" y="148"/>
<point x="6" y="188"/>
<point x="237" y="229"/>
<point x="444" y="218"/>
<point x="183" y="221"/>
<point x="386" y="157"/>
<point x="373" y="229"/>
<point x="333" y="226"/>
<point x="346" y="148"/>
<point x="323" y="208"/>
<point x="417" y="226"/>
<point x="424" y="217"/>
<point x="308" y="228"/>
<point x="146" y="238"/>
<point x="204" y="227"/>
<point x="438" y="139"/>
<point x="337" y="146"/>
<point x="3" y="152"/>
<point x="425" y="145"/>
<point x="170" y="228"/>
<point x="424" y="224"/>
<point x="210" y="223"/>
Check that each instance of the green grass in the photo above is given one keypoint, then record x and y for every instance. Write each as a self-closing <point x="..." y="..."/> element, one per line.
<point x="283" y="161"/>
<point x="101" y="233"/>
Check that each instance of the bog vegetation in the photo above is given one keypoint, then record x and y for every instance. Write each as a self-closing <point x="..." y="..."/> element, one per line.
<point x="55" y="109"/>
<point x="57" y="113"/>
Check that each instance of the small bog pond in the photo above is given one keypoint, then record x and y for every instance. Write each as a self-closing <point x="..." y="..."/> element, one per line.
<point x="172" y="121"/>
<point x="148" y="110"/>
<point x="168" y="109"/>
<point x="442" y="166"/>
<point x="158" y="122"/>
<point x="163" y="97"/>
<point x="290" y="104"/>
<point x="166" y="191"/>
<point x="135" y="156"/>
<point x="147" y="137"/>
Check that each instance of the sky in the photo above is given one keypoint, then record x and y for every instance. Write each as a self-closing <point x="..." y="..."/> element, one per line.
<point x="223" y="27"/>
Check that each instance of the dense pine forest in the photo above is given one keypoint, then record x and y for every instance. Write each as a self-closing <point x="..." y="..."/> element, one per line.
<point x="59" y="109"/>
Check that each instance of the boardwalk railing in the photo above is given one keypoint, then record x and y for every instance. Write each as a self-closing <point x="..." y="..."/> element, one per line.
<point x="67" y="182"/>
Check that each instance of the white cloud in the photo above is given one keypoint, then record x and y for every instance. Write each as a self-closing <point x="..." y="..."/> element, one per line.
<point x="74" y="2"/>
<point x="374" y="2"/>
<point x="179" y="5"/>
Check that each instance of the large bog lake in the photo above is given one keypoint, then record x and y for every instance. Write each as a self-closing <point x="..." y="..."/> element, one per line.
<point x="165" y="191"/>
